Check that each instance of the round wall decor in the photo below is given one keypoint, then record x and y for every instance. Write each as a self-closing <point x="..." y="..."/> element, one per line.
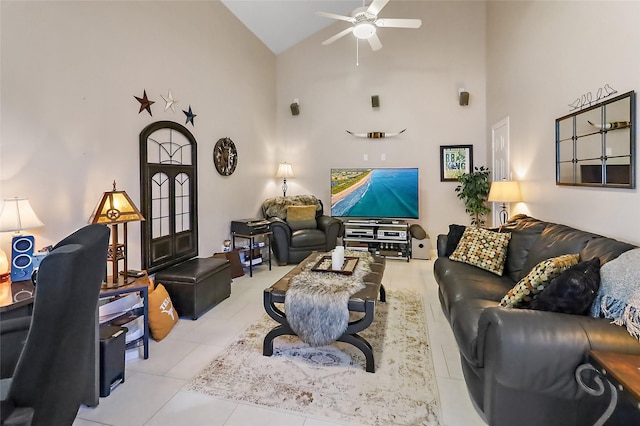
<point x="225" y="156"/>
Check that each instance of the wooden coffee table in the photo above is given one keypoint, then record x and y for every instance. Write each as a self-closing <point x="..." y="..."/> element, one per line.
<point x="363" y="301"/>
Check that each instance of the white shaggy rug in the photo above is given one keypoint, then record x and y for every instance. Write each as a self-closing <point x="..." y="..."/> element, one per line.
<point x="330" y="381"/>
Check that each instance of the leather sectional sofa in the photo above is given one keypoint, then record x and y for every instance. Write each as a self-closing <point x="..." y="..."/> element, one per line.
<point x="519" y="364"/>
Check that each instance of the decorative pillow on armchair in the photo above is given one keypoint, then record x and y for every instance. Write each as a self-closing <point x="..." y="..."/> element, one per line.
<point x="162" y="314"/>
<point x="482" y="248"/>
<point x="301" y="217"/>
<point x="536" y="280"/>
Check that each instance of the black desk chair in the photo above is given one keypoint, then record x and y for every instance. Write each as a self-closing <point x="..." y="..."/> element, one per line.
<point x="50" y="379"/>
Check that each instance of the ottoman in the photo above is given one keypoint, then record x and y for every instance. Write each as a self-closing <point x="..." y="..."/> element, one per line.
<point x="197" y="285"/>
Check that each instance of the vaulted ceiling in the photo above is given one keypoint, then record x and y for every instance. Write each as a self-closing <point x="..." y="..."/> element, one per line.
<point x="281" y="24"/>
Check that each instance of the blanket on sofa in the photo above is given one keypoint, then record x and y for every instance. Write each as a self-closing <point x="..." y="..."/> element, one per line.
<point x="619" y="295"/>
<point x="316" y="303"/>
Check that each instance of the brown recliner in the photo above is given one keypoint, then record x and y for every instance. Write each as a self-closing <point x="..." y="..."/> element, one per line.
<point x="292" y="246"/>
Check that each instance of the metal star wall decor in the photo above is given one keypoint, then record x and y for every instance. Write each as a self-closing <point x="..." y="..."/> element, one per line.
<point x="145" y="103"/>
<point x="169" y="102"/>
<point x="190" y="116"/>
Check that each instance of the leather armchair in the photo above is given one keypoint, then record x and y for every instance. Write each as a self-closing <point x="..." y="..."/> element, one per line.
<point x="291" y="247"/>
<point x="56" y="368"/>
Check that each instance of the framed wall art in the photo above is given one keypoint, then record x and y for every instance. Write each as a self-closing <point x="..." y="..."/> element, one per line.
<point x="455" y="160"/>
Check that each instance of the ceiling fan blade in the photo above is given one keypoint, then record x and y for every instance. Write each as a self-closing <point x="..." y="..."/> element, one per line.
<point x="375" y="42"/>
<point x="334" y="16"/>
<point x="337" y="36"/>
<point x="376" y="6"/>
<point x="398" y="23"/>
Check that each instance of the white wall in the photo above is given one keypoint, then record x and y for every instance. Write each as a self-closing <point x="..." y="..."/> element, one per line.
<point x="417" y="74"/>
<point x="540" y="57"/>
<point x="70" y="123"/>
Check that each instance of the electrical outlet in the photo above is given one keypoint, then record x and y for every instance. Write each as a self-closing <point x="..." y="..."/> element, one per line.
<point x="383" y="157"/>
<point x="365" y="157"/>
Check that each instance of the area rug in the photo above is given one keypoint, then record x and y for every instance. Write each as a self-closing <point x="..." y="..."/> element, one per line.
<point x="330" y="381"/>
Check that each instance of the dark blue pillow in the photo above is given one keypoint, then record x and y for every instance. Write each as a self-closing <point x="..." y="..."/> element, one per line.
<point x="453" y="238"/>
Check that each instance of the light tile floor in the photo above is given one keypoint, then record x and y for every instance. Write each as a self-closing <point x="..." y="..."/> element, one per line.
<point x="152" y="393"/>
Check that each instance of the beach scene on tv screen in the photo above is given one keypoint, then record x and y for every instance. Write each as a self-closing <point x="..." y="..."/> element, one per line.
<point x="375" y="193"/>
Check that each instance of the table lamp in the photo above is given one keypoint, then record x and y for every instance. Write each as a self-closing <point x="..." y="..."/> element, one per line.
<point x="284" y="171"/>
<point x="17" y="215"/>
<point x="504" y="191"/>
<point x="115" y="207"/>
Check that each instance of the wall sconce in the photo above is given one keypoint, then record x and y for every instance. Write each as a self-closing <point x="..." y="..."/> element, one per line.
<point x="284" y="171"/>
<point x="504" y="191"/>
<point x="115" y="207"/>
<point x="17" y="215"/>
<point x="295" y="107"/>
<point x="463" y="97"/>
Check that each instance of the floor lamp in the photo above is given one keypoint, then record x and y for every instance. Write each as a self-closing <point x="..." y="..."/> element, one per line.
<point x="504" y="191"/>
<point x="116" y="208"/>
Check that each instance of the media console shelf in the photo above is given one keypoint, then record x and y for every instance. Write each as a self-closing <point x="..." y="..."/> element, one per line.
<point x="388" y="238"/>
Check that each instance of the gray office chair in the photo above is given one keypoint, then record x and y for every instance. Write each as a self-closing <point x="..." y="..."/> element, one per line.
<point x="50" y="379"/>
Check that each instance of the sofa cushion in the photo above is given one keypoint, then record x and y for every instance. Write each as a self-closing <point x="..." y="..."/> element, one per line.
<point x="453" y="238"/>
<point x="483" y="248"/>
<point x="525" y="231"/>
<point x="301" y="217"/>
<point x="308" y="238"/>
<point x="556" y="240"/>
<point x="537" y="279"/>
<point x="571" y="292"/>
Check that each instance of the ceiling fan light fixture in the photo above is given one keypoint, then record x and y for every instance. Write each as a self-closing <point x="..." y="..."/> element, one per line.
<point x="364" y="30"/>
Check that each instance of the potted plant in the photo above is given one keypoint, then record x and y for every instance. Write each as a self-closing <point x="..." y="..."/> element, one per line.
<point x="473" y="191"/>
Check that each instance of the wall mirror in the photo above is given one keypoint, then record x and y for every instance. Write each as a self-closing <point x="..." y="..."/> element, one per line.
<point x="596" y="145"/>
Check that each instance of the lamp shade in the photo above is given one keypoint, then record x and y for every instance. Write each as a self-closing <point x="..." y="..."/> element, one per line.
<point x="116" y="207"/>
<point x="284" y="170"/>
<point x="16" y="214"/>
<point x="504" y="191"/>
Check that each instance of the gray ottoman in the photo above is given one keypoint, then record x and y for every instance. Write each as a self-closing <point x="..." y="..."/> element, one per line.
<point x="197" y="285"/>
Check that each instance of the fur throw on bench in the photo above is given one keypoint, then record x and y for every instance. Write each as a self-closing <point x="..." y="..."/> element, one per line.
<point x="316" y="303"/>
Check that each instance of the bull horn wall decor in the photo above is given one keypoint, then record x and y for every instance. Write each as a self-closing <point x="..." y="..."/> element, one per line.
<point x="375" y="135"/>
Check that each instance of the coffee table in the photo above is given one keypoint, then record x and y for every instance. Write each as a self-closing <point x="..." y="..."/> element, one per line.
<point x="363" y="301"/>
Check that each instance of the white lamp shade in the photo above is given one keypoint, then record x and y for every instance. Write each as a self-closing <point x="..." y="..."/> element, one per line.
<point x="504" y="191"/>
<point x="284" y="170"/>
<point x="16" y="214"/>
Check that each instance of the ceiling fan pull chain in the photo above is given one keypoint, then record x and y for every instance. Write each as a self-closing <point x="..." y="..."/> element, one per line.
<point x="357" y="53"/>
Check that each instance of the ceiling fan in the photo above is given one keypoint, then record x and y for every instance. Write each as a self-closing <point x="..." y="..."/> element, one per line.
<point x="365" y="22"/>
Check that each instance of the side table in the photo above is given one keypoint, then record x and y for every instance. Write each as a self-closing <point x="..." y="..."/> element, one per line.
<point x="266" y="236"/>
<point x="621" y="374"/>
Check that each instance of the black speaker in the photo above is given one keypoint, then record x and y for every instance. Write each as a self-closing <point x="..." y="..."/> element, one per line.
<point x="375" y="101"/>
<point x="22" y="257"/>
<point x="464" y="98"/>
<point x="295" y="108"/>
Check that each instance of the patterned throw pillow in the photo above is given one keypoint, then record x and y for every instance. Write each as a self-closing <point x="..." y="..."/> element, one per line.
<point x="482" y="248"/>
<point x="536" y="280"/>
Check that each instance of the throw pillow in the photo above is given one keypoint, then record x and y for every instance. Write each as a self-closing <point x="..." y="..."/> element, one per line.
<point x="619" y="296"/>
<point x="537" y="279"/>
<point x="162" y="315"/>
<point x="573" y="291"/>
<point x="301" y="217"/>
<point x="483" y="248"/>
<point x="453" y="238"/>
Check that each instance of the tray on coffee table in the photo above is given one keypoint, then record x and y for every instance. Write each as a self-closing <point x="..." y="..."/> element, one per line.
<point x="324" y="265"/>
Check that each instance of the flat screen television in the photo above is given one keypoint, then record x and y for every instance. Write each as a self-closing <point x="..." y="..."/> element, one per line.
<point x="375" y="193"/>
